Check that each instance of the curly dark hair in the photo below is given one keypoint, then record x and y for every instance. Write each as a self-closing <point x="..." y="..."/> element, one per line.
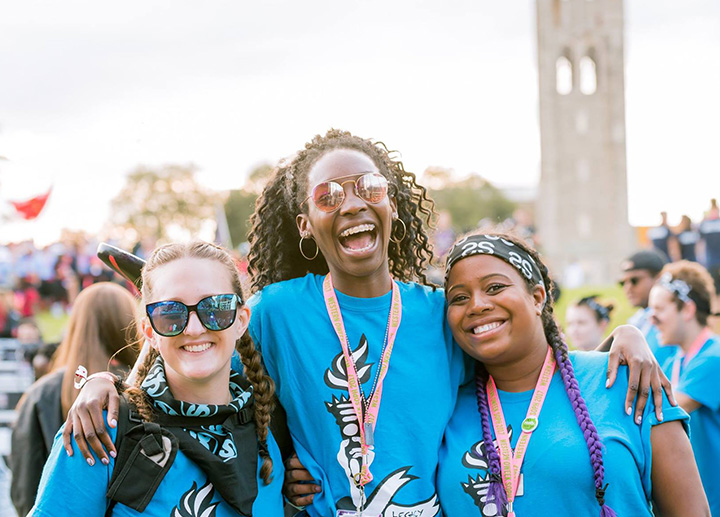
<point x="274" y="254"/>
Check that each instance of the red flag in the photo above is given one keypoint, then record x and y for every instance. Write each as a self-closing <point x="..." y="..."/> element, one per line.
<point x="31" y="208"/>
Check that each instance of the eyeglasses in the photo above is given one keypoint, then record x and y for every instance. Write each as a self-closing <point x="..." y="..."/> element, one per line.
<point x="328" y="196"/>
<point x="170" y="318"/>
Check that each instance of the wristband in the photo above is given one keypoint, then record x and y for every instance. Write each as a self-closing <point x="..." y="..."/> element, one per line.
<point x="82" y="378"/>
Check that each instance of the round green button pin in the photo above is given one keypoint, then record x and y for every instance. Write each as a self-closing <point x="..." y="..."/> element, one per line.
<point x="529" y="424"/>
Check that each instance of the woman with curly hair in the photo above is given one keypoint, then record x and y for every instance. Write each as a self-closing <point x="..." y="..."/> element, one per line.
<point x="350" y="329"/>
<point x="201" y="430"/>
<point x="536" y="432"/>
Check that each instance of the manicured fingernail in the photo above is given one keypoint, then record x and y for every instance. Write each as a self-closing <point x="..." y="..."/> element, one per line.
<point x="105" y="461"/>
<point x="113" y="454"/>
<point x="113" y="422"/>
<point x="639" y="419"/>
<point x="91" y="461"/>
<point x="607" y="383"/>
<point x="69" y="452"/>
<point x="660" y="417"/>
<point x="317" y="489"/>
<point x="629" y="411"/>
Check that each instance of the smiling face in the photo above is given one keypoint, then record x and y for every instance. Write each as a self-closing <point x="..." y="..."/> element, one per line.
<point x="197" y="356"/>
<point x="353" y="239"/>
<point x="583" y="328"/>
<point x="491" y="314"/>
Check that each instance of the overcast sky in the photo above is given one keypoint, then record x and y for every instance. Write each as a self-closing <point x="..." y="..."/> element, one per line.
<point x="90" y="90"/>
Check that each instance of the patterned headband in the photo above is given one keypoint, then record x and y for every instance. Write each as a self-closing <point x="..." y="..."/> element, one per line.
<point x="677" y="286"/>
<point x="498" y="247"/>
<point x="684" y="292"/>
<point x="601" y="310"/>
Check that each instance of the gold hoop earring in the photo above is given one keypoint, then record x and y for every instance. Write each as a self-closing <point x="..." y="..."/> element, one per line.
<point x="317" y="250"/>
<point x="404" y="233"/>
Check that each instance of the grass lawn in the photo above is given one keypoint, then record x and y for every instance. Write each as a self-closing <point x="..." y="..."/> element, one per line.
<point x="610" y="293"/>
<point x="52" y="327"/>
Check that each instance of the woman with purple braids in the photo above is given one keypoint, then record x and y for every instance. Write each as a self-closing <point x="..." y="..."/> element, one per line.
<point x="584" y="458"/>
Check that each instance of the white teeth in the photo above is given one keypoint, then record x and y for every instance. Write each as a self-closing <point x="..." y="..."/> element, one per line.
<point x="486" y="328"/>
<point x="358" y="229"/>
<point x="197" y="348"/>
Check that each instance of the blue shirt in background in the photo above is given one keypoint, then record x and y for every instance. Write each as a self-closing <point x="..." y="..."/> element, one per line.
<point x="303" y="355"/>
<point x="700" y="380"/>
<point x="558" y="476"/>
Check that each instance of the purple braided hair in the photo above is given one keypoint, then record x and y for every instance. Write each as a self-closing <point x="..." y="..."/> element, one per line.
<point x="592" y="439"/>
<point x="554" y="338"/>
<point x="496" y="489"/>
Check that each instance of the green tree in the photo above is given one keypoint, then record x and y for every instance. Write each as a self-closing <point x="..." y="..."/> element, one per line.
<point x="157" y="200"/>
<point x="471" y="200"/>
<point x="241" y="203"/>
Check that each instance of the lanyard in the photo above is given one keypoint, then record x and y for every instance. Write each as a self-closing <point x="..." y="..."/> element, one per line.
<point x="685" y="358"/>
<point x="511" y="464"/>
<point x="366" y="413"/>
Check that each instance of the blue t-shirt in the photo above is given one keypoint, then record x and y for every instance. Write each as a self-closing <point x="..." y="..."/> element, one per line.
<point x="303" y="355"/>
<point x="710" y="232"/>
<point x="558" y="476"/>
<point x="641" y="320"/>
<point x="700" y="380"/>
<point x="69" y="486"/>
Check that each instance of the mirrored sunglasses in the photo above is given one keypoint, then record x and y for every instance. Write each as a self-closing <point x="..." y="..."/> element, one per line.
<point x="328" y="196"/>
<point x="170" y="318"/>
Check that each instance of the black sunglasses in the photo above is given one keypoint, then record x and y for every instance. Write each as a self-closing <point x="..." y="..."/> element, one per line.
<point x="633" y="281"/>
<point x="170" y="318"/>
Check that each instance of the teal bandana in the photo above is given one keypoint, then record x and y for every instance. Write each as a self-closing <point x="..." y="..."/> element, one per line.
<point x="220" y="439"/>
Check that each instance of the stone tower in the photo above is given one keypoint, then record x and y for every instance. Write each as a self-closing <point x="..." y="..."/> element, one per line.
<point x="582" y="212"/>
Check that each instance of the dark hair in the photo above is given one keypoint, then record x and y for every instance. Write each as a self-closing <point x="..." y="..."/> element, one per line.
<point x="496" y="489"/>
<point x="274" y="254"/>
<point x="600" y="310"/>
<point x="263" y="386"/>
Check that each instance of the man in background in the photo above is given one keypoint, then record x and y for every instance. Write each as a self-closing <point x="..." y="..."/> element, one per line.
<point x="639" y="273"/>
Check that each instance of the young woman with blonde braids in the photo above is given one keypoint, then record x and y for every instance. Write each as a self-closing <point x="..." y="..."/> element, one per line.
<point x="215" y="419"/>
<point x="350" y="330"/>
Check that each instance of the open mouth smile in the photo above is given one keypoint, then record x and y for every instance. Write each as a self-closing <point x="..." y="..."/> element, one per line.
<point x="358" y="238"/>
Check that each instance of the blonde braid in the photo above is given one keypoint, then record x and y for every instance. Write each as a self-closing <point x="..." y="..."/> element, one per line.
<point x="264" y="393"/>
<point x="136" y="395"/>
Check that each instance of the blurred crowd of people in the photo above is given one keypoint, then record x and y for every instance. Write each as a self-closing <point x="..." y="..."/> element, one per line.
<point x="696" y="242"/>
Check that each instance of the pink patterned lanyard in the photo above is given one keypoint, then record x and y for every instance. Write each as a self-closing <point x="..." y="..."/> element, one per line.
<point x="367" y="416"/>
<point x="685" y="358"/>
<point x="511" y="464"/>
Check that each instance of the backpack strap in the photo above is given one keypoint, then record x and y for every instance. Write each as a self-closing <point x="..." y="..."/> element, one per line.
<point x="146" y="452"/>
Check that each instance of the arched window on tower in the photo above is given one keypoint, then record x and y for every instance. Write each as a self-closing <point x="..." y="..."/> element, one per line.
<point x="563" y="75"/>
<point x="588" y="74"/>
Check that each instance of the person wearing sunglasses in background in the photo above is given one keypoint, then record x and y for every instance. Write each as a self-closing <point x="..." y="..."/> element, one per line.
<point x="681" y="302"/>
<point x="352" y="332"/>
<point x="639" y="273"/>
<point x="214" y="452"/>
